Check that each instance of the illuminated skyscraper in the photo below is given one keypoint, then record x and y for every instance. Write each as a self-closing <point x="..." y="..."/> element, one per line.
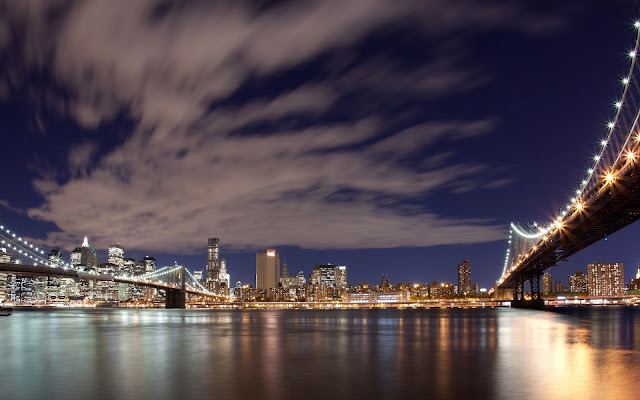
<point x="267" y="269"/>
<point x="116" y="256"/>
<point x="605" y="279"/>
<point x="149" y="263"/>
<point x="213" y="268"/>
<point x="464" y="277"/>
<point x="547" y="283"/>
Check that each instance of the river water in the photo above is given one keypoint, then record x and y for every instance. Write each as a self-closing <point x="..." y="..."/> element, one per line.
<point x="569" y="353"/>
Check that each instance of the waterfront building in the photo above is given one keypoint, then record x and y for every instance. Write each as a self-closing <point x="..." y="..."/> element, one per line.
<point x="116" y="256"/>
<point x="578" y="283"/>
<point x="605" y="279"/>
<point x="559" y="287"/>
<point x="213" y="268"/>
<point x="267" y="269"/>
<point x="464" y="277"/>
<point x="547" y="283"/>
<point x="92" y="261"/>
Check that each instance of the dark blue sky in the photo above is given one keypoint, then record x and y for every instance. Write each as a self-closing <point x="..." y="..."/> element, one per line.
<point x="394" y="138"/>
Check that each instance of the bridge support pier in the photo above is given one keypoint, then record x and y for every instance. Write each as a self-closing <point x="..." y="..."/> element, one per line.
<point x="176" y="298"/>
<point x="519" y="301"/>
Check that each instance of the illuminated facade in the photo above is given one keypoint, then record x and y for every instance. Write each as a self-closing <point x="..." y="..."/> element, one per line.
<point x="605" y="279"/>
<point x="267" y="269"/>
<point x="547" y="283"/>
<point x="464" y="277"/>
<point x="578" y="283"/>
<point x="116" y="256"/>
<point x="213" y="268"/>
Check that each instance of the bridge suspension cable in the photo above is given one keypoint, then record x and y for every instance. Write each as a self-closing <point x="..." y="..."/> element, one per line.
<point x="619" y="151"/>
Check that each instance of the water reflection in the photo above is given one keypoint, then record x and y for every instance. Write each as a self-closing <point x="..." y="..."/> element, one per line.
<point x="278" y="354"/>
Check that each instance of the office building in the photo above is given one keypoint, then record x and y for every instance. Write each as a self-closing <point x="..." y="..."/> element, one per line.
<point x="116" y="256"/>
<point x="267" y="269"/>
<point x="149" y="263"/>
<point x="464" y="277"/>
<point x="605" y="279"/>
<point x="213" y="268"/>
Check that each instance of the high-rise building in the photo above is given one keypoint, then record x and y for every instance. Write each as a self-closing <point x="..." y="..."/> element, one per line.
<point x="116" y="256"/>
<point x="301" y="279"/>
<point x="578" y="283"/>
<point x="605" y="279"/>
<point x="197" y="275"/>
<point x="267" y="269"/>
<point x="76" y="257"/>
<point x="464" y="277"/>
<point x="547" y="283"/>
<point x="287" y="280"/>
<point x="149" y="263"/>
<point x="325" y="275"/>
<point x="559" y="287"/>
<point x="84" y="252"/>
<point x="53" y="284"/>
<point x="213" y="267"/>
<point x="223" y="276"/>
<point x="341" y="276"/>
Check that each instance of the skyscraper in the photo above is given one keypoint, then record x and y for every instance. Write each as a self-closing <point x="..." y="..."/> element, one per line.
<point x="84" y="252"/>
<point x="267" y="269"/>
<point x="116" y="256"/>
<point x="464" y="277"/>
<point x="605" y="279"/>
<point x="213" y="268"/>
<point x="547" y="283"/>
<point x="149" y="263"/>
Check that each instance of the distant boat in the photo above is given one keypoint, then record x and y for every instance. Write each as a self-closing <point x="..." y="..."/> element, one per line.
<point x="5" y="311"/>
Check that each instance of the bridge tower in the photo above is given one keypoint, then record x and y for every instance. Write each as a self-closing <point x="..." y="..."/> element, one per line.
<point x="176" y="298"/>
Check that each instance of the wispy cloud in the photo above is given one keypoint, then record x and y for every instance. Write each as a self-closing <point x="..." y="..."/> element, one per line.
<point x="317" y="161"/>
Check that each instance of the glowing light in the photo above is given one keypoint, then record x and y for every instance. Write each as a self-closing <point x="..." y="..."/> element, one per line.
<point x="625" y="81"/>
<point x="611" y="125"/>
<point x="603" y="142"/>
<point x="636" y="24"/>
<point x="579" y="206"/>
<point x="558" y="224"/>
<point x="618" y="104"/>
<point x="584" y="182"/>
<point x="596" y="158"/>
<point x="609" y="177"/>
<point x="631" y="156"/>
<point x="578" y="192"/>
<point x="632" y="54"/>
<point x="590" y="170"/>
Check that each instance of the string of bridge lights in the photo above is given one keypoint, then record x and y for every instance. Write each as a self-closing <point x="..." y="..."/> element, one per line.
<point x="25" y="248"/>
<point x="577" y="202"/>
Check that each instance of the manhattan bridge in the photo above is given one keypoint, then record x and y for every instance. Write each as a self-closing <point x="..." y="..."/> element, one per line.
<point x="606" y="200"/>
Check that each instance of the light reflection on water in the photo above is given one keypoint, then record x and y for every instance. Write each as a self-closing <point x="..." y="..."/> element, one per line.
<point x="586" y="353"/>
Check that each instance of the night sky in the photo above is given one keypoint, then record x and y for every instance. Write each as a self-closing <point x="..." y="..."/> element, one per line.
<point x="394" y="137"/>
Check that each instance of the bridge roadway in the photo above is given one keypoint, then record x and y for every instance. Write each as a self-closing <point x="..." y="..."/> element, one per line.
<point x="175" y="295"/>
<point x="607" y="208"/>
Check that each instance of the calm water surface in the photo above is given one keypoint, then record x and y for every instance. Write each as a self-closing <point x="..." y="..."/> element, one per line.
<point x="575" y="353"/>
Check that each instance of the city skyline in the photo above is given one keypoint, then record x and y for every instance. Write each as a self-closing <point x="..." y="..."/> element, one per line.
<point x="491" y="118"/>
